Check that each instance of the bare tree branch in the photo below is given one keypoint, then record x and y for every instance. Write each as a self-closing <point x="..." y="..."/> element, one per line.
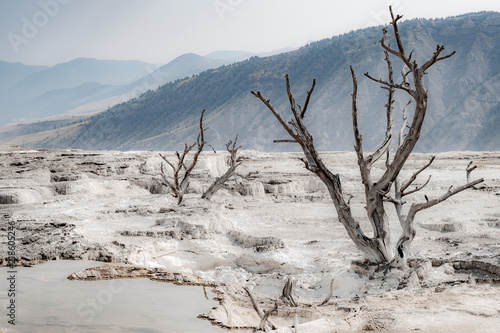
<point x="435" y="58"/>
<point x="418" y="188"/>
<point x="403" y="124"/>
<point x="314" y="163"/>
<point x="429" y="203"/>
<point x="414" y="176"/>
<point x="285" y="141"/>
<point x="383" y="149"/>
<point x="396" y="30"/>
<point x="391" y="85"/>
<point x="330" y="294"/>
<point x="409" y="232"/>
<point x="167" y="161"/>
<point x="358" y="139"/>
<point x="293" y="107"/>
<point x="306" y="103"/>
<point x="400" y="53"/>
<point x="275" y="113"/>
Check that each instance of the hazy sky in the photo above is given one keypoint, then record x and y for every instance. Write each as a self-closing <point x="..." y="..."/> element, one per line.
<point x="46" y="32"/>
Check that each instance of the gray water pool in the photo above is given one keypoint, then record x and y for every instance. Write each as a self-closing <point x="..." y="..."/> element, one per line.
<point x="46" y="301"/>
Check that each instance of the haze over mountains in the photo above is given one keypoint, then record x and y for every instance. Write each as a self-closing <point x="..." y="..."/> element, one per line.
<point x="87" y="85"/>
<point x="30" y="92"/>
<point x="31" y="96"/>
<point x="463" y="112"/>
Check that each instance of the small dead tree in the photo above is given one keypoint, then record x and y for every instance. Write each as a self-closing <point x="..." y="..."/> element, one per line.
<point x="378" y="248"/>
<point x="286" y="294"/>
<point x="234" y="162"/>
<point x="468" y="170"/>
<point x="179" y="182"/>
<point x="329" y="295"/>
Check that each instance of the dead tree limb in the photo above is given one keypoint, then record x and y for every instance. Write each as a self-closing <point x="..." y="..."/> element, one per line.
<point x="284" y="141"/>
<point x="259" y="310"/>
<point x="234" y="162"/>
<point x="265" y="318"/>
<point x="414" y="176"/>
<point x="254" y="302"/>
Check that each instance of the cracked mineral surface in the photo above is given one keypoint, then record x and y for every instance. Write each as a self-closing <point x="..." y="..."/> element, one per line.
<point x="260" y="231"/>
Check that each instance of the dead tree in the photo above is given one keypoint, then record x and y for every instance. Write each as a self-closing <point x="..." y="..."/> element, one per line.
<point x="179" y="182"/>
<point x="378" y="248"/>
<point x="470" y="167"/>
<point x="234" y="162"/>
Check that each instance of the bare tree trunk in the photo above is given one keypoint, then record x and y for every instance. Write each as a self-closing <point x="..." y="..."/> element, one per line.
<point x="371" y="247"/>
<point x="286" y="294"/>
<point x="409" y="232"/>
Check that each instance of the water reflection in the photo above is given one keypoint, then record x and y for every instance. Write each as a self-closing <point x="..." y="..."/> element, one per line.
<point x="47" y="302"/>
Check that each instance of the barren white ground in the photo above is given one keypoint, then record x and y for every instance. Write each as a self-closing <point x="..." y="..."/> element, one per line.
<point x="276" y="225"/>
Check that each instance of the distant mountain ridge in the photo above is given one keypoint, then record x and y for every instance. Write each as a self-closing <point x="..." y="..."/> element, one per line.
<point x="30" y="93"/>
<point x="463" y="112"/>
<point x="45" y="92"/>
<point x="236" y="56"/>
<point x="15" y="72"/>
<point x="79" y="71"/>
<point x="35" y="92"/>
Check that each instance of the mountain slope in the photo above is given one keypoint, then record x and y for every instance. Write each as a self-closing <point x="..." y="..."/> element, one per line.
<point x="463" y="110"/>
<point x="231" y="56"/>
<point x="235" y="56"/>
<point x="11" y="73"/>
<point x="181" y="67"/>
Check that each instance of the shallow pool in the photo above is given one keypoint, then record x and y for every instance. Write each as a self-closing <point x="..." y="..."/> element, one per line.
<point x="46" y="301"/>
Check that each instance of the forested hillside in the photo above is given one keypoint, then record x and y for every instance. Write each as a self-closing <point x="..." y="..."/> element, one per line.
<point x="463" y="113"/>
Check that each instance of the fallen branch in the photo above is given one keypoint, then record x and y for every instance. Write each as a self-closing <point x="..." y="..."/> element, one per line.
<point x="259" y="310"/>
<point x="265" y="317"/>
